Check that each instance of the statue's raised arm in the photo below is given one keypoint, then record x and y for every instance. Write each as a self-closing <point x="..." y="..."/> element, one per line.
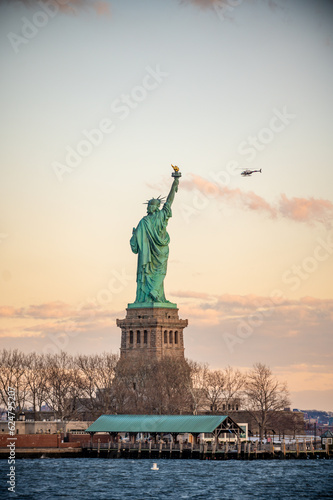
<point x="173" y="191"/>
<point x="150" y="241"/>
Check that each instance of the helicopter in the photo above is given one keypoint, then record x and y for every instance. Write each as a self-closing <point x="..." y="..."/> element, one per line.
<point x="249" y="172"/>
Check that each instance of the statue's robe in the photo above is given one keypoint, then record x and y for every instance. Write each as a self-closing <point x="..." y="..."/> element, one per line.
<point x="151" y="242"/>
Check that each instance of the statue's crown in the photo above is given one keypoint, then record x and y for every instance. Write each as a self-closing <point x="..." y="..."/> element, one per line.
<point x="155" y="201"/>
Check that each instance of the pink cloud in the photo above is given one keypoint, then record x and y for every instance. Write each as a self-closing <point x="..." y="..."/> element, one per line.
<point x="206" y="308"/>
<point x="101" y="7"/>
<point x="58" y="310"/>
<point x="7" y="312"/>
<point x="50" y="310"/>
<point x="295" y="336"/>
<point x="190" y="295"/>
<point x="247" y="199"/>
<point x="40" y="311"/>
<point x="240" y="307"/>
<point x="56" y="318"/>
<point x="218" y="4"/>
<point x="201" y="3"/>
<point x="306" y="210"/>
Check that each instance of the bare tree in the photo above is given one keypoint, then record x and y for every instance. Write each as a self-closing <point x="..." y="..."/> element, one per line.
<point x="97" y="374"/>
<point x="95" y="384"/>
<point x="196" y="384"/>
<point x="234" y="382"/>
<point x="63" y="385"/>
<point x="131" y="383"/>
<point x="35" y="380"/>
<point x="288" y="422"/>
<point x="169" y="387"/>
<point x="152" y="386"/>
<point x="264" y="395"/>
<point x="12" y="375"/>
<point x="213" y="390"/>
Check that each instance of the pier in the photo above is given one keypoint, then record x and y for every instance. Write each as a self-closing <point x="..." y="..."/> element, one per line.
<point x="304" y="450"/>
<point x="209" y="451"/>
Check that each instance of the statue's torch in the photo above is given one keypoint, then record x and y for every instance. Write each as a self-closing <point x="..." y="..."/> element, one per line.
<point x="176" y="172"/>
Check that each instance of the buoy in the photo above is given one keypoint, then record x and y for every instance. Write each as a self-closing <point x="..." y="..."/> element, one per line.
<point x="154" y="467"/>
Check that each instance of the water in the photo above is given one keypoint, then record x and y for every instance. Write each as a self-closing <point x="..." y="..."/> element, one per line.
<point x="99" y="479"/>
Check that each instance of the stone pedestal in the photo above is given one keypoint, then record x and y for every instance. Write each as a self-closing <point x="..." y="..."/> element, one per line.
<point x="157" y="331"/>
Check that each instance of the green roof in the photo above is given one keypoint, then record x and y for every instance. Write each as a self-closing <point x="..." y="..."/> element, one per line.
<point x="327" y="434"/>
<point x="157" y="423"/>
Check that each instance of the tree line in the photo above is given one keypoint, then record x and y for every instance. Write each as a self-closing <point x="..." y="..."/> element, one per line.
<point x="86" y="386"/>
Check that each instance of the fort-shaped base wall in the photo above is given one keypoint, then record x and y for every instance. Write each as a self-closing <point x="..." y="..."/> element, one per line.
<point x="156" y="331"/>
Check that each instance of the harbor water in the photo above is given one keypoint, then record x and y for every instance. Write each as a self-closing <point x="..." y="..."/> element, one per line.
<point x="90" y="479"/>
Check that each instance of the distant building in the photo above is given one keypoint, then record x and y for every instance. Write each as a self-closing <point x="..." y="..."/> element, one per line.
<point x="51" y="427"/>
<point x="279" y="423"/>
<point x="327" y="438"/>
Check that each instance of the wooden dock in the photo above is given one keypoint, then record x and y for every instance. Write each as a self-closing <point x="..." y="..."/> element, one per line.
<point x="188" y="451"/>
<point x="242" y="451"/>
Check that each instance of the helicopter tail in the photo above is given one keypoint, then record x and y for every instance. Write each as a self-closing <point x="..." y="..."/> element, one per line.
<point x="260" y="170"/>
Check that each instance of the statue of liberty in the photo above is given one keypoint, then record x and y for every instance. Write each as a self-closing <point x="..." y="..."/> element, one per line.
<point x="150" y="241"/>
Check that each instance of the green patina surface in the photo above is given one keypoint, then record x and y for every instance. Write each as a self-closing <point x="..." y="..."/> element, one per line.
<point x="157" y="423"/>
<point x="165" y="305"/>
<point x="150" y="241"/>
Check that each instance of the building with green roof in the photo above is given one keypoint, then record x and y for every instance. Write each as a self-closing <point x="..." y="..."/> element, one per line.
<point x="165" y="424"/>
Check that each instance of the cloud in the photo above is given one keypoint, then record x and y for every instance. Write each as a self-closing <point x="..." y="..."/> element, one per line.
<point x="292" y="336"/>
<point x="305" y="210"/>
<point x="41" y="311"/>
<point x="55" y="318"/>
<point x="291" y="313"/>
<point x="7" y="312"/>
<point x="248" y="199"/>
<point x="281" y="317"/>
<point x="14" y="334"/>
<point x="189" y="294"/>
<point x="230" y="5"/>
<point x="201" y="3"/>
<point x="101" y="7"/>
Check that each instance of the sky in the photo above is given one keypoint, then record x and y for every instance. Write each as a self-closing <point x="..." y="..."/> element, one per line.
<point x="98" y="99"/>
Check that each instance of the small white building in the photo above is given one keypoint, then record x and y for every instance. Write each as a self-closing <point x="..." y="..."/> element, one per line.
<point x="228" y="436"/>
<point x="327" y="439"/>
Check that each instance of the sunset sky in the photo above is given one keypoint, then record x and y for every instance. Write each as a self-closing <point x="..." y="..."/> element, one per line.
<point x="98" y="99"/>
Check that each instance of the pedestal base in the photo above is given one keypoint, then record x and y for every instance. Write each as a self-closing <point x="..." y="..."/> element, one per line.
<point x="156" y="330"/>
<point x="152" y="305"/>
